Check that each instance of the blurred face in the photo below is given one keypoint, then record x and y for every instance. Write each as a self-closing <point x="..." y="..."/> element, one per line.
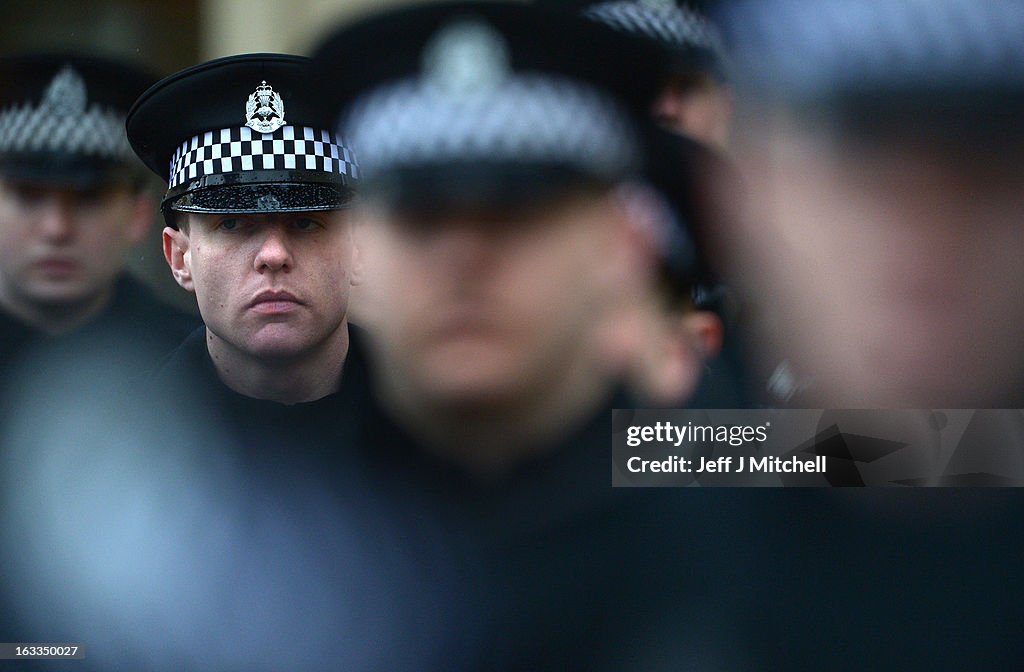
<point x="479" y="307"/>
<point x="891" y="270"/>
<point x="61" y="247"/>
<point x="268" y="285"/>
<point x="698" y="106"/>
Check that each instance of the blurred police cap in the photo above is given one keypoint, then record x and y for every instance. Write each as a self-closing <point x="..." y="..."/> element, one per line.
<point x="915" y="55"/>
<point x="496" y="101"/>
<point x="683" y="30"/>
<point x="62" y="119"/>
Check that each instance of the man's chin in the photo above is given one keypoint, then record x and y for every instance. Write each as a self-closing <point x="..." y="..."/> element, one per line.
<point x="472" y="378"/>
<point x="278" y="341"/>
<point x="58" y="293"/>
<point x="462" y="396"/>
<point x="284" y="349"/>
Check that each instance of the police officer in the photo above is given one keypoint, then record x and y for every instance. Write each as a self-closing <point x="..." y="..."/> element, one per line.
<point x="245" y="526"/>
<point x="72" y="202"/>
<point x="696" y="98"/>
<point x="256" y="222"/>
<point x="695" y="103"/>
<point x="870" y="140"/>
<point x="75" y="327"/>
<point x="491" y="191"/>
<point x="883" y="248"/>
<point x="504" y="225"/>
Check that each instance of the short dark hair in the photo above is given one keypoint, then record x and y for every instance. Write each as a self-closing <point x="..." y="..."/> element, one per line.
<point x="175" y="219"/>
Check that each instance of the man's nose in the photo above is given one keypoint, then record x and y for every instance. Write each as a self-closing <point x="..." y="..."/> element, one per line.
<point x="57" y="219"/>
<point x="668" y="108"/>
<point x="466" y="245"/>
<point x="274" y="253"/>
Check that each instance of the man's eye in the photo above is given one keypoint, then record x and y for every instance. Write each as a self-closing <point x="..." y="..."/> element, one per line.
<point x="90" y="197"/>
<point x="229" y="225"/>
<point x="29" y="195"/>
<point x="306" y="224"/>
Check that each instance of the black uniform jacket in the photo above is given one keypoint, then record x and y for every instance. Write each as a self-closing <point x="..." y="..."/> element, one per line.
<point x="135" y="321"/>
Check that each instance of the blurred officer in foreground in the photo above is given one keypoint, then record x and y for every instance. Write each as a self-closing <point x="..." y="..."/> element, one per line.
<point x="482" y="223"/>
<point x="696" y="98"/>
<point x="882" y="144"/>
<point x="506" y="239"/>
<point x="883" y="247"/>
<point x="72" y="202"/>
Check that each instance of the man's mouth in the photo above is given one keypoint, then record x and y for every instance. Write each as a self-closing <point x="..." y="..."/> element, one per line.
<point x="271" y="302"/>
<point x="57" y="266"/>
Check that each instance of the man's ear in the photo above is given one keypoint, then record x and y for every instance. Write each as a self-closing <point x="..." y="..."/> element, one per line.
<point x="633" y="253"/>
<point x="358" y="270"/>
<point x="143" y="212"/>
<point x="725" y="104"/>
<point x="178" y="256"/>
<point x="706" y="331"/>
<point x="667" y="366"/>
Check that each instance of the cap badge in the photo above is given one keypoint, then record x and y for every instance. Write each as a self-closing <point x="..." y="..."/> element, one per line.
<point x="466" y="57"/>
<point x="268" y="202"/>
<point x="65" y="96"/>
<point x="264" y="111"/>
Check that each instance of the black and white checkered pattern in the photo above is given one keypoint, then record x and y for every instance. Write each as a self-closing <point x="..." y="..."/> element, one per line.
<point x="802" y="49"/>
<point x="523" y="119"/>
<point x="675" y="25"/>
<point x="97" y="132"/>
<point x="237" y="150"/>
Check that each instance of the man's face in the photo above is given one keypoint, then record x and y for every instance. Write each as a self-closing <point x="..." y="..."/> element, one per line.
<point x="891" y="270"/>
<point x="486" y="307"/>
<point x="698" y="106"/>
<point x="268" y="285"/>
<point x="61" y="246"/>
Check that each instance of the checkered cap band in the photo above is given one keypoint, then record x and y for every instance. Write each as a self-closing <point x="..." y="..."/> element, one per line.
<point x="97" y="132"/>
<point x="808" y="49"/>
<point x="523" y="119"/>
<point x="674" y="25"/>
<point x="237" y="150"/>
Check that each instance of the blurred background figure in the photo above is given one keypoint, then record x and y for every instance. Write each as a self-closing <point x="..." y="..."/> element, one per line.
<point x="695" y="103"/>
<point x="76" y="329"/>
<point x="883" y="246"/>
<point x="696" y="97"/>
<point x="689" y="309"/>
<point x="73" y="200"/>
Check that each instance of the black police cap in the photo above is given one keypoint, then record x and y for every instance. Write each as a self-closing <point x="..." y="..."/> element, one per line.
<point x="62" y="118"/>
<point x="686" y="33"/>
<point x="950" y="51"/>
<point x="243" y="134"/>
<point x="495" y="92"/>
